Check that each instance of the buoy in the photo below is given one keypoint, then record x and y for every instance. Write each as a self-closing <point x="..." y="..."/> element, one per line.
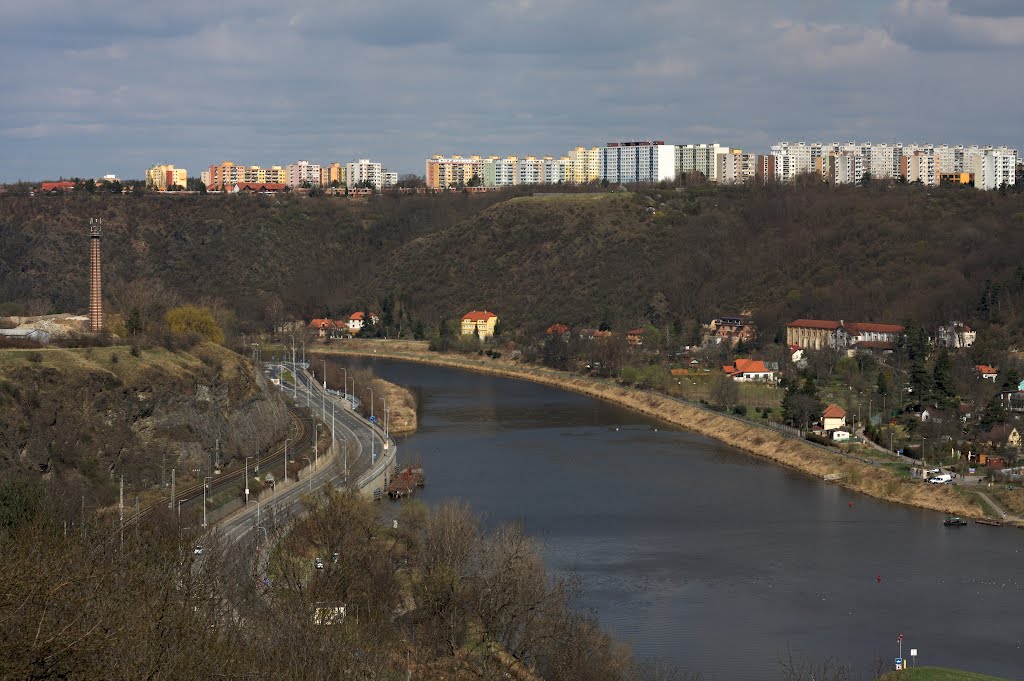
<point x="851" y="504"/>
<point x="879" y="578"/>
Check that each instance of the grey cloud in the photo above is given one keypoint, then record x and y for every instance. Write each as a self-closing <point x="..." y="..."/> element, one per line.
<point x="194" y="83"/>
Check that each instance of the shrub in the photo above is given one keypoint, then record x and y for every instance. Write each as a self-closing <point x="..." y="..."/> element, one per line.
<point x="191" y="319"/>
<point x="740" y="409"/>
<point x="35" y="357"/>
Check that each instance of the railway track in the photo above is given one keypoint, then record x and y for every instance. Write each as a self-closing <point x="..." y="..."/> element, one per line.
<point x="301" y="440"/>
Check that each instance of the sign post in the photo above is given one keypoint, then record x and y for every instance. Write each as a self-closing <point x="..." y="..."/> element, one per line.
<point x="913" y="657"/>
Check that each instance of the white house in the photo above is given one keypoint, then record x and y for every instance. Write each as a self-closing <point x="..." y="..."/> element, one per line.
<point x="833" y="418"/>
<point x="357" y="320"/>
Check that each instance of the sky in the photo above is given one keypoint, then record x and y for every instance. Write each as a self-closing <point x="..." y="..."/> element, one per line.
<point x="91" y="87"/>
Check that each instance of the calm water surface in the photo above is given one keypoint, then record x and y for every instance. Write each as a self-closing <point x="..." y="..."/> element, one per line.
<point x="701" y="555"/>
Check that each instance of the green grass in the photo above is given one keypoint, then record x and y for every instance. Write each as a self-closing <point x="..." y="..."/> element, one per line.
<point x="936" y="674"/>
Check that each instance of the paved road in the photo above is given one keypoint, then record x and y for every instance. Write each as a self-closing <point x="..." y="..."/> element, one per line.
<point x="354" y="437"/>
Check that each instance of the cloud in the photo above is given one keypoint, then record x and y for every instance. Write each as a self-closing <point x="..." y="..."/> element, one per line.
<point x="101" y="86"/>
<point x="973" y="25"/>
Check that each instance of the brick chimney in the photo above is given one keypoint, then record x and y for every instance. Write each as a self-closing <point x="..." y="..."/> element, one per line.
<point x="95" y="277"/>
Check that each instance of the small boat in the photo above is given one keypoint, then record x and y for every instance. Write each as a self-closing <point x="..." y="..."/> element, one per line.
<point x="954" y="521"/>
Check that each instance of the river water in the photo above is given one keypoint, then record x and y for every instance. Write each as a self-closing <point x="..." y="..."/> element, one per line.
<point x="706" y="557"/>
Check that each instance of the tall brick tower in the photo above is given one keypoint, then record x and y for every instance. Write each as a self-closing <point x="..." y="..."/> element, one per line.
<point x="95" y="278"/>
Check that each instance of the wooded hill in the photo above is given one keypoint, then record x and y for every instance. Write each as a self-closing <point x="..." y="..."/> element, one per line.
<point x="881" y="253"/>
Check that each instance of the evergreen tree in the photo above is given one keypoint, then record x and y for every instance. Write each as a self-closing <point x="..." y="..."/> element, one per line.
<point x="942" y="375"/>
<point x="993" y="413"/>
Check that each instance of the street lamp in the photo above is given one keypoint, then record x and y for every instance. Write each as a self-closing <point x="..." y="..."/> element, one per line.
<point x="316" y="441"/>
<point x="386" y="418"/>
<point x="373" y="455"/>
<point x="353" y="393"/>
<point x="247" y="480"/>
<point x="286" y="441"/>
<point x="204" y="498"/>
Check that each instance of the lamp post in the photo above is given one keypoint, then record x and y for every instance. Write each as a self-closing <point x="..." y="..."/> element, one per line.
<point x="353" y="393"/>
<point x="344" y="382"/>
<point x="373" y="455"/>
<point x="316" y="443"/>
<point x="286" y="441"/>
<point x="205" y="480"/>
<point x="303" y="341"/>
<point x="247" y="480"/>
<point x="344" y="443"/>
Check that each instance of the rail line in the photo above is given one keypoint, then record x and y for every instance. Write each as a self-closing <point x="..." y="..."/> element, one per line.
<point x="301" y="440"/>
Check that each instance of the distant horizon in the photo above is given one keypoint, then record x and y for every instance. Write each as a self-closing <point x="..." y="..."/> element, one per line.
<point x="420" y="171"/>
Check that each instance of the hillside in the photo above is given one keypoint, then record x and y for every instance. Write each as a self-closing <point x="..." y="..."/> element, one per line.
<point x="882" y="253"/>
<point x="83" y="417"/>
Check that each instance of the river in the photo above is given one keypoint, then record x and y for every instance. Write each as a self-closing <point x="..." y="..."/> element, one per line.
<point x="707" y="557"/>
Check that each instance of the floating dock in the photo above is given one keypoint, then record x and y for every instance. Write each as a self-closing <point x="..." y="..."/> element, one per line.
<point x="406" y="482"/>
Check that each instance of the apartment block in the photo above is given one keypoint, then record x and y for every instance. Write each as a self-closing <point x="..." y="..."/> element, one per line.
<point x="845" y="167"/>
<point x="302" y="172"/>
<point x="699" y="158"/>
<point x="920" y="166"/>
<point x="389" y="178"/>
<point x="227" y="174"/>
<point x="454" y="171"/>
<point x="735" y="167"/>
<point x="585" y="165"/>
<point x="163" y="177"/>
<point x="626" y="162"/>
<point x="529" y="170"/>
<point x="500" y="172"/>
<point x="364" y="171"/>
<point x="992" y="167"/>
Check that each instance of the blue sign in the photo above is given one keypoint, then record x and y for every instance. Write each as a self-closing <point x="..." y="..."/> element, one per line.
<point x="899" y="663"/>
<point x="374" y="419"/>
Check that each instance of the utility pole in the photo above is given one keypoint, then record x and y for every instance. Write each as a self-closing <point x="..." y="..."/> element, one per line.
<point x="120" y="506"/>
<point x="173" y="471"/>
<point x="373" y="456"/>
<point x="286" y="459"/>
<point x="217" y="465"/>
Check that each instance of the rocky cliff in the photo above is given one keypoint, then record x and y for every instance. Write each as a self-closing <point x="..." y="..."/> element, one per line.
<point x="95" y="414"/>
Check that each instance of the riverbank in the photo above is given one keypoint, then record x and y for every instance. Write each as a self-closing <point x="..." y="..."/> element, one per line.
<point x="770" y="444"/>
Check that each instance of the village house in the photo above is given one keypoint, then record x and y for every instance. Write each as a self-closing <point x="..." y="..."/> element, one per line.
<point x="745" y="370"/>
<point x="956" y="335"/>
<point x="357" y="320"/>
<point x="833" y="418"/>
<point x="731" y="330"/>
<point x="559" y="329"/>
<point x="480" y="322"/>
<point x="635" y="337"/>
<point x="986" y="372"/>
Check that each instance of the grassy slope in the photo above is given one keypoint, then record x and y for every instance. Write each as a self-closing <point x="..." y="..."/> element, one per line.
<point x="936" y="674"/>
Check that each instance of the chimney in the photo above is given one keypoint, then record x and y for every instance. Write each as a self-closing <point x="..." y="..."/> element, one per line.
<point x="95" y="278"/>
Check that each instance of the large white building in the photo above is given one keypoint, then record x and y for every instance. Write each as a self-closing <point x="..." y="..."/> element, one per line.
<point x="626" y="162"/>
<point x="845" y="167"/>
<point x="302" y="172"/>
<point x="992" y="167"/>
<point x="363" y="171"/>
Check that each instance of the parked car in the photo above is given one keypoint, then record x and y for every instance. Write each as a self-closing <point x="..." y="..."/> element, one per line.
<point x="941" y="479"/>
<point x="197" y="551"/>
<point x="319" y="563"/>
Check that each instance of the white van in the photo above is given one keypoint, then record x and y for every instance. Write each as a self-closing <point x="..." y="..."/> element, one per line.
<point x="941" y="479"/>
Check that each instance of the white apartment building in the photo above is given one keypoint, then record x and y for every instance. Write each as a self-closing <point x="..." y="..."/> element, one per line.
<point x="845" y="167"/>
<point x="626" y="162"/>
<point x="884" y="161"/>
<point x="992" y="167"/>
<point x="500" y="172"/>
<point x="529" y="170"/>
<point x="364" y="170"/>
<point x="302" y="172"/>
<point x="795" y="158"/>
<point x="389" y="178"/>
<point x="699" y="158"/>
<point x="555" y="170"/>
<point x="204" y="177"/>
